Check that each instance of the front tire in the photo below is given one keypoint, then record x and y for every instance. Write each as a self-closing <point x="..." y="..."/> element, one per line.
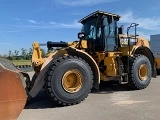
<point x="69" y="80"/>
<point x="139" y="72"/>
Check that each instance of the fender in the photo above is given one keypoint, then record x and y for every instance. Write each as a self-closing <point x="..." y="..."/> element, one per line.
<point x="40" y="80"/>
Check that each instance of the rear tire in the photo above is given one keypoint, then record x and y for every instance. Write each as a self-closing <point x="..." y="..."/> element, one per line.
<point x="140" y="72"/>
<point x="69" y="80"/>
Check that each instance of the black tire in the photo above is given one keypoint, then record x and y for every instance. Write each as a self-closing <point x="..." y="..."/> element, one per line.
<point x="58" y="69"/>
<point x="136" y="81"/>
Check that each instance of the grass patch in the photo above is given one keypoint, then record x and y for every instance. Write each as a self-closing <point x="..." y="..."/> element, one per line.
<point x="21" y="62"/>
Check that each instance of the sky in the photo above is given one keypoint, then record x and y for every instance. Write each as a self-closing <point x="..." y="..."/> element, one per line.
<point x="23" y="22"/>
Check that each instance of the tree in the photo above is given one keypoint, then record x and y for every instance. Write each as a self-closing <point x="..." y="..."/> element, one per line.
<point x="43" y="52"/>
<point x="9" y="54"/>
<point x="30" y="53"/>
<point x="16" y="52"/>
<point x="24" y="53"/>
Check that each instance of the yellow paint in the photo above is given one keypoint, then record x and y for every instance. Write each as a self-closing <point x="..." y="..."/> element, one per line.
<point x="125" y="50"/>
<point x="143" y="72"/>
<point x="84" y="44"/>
<point x="72" y="81"/>
<point x="37" y="59"/>
<point x="138" y="43"/>
<point x="110" y="62"/>
<point x="111" y="70"/>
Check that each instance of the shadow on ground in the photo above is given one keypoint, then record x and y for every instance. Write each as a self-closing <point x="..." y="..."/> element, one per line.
<point x="42" y="100"/>
<point x="107" y="87"/>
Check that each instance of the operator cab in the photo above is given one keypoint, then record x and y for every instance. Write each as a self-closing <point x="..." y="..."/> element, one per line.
<point x="100" y="31"/>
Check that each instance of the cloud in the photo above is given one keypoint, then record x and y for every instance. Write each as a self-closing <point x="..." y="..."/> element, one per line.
<point x="18" y="20"/>
<point x="6" y="43"/>
<point x="32" y="21"/>
<point x="83" y="2"/>
<point x="53" y="24"/>
<point x="148" y="23"/>
<point x="143" y="34"/>
<point x="24" y="21"/>
<point x="30" y="25"/>
<point x="75" y="24"/>
<point x="14" y="31"/>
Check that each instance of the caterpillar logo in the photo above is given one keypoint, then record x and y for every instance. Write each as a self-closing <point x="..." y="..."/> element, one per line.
<point x="124" y="41"/>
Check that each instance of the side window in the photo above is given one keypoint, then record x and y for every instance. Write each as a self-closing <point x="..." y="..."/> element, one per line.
<point x="111" y="39"/>
<point x="113" y="25"/>
<point x="106" y="24"/>
<point x="99" y="33"/>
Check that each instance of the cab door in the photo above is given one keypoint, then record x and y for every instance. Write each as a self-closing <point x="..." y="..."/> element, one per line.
<point x="110" y="35"/>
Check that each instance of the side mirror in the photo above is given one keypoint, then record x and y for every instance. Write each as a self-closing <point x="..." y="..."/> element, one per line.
<point x="81" y="35"/>
<point x="120" y="30"/>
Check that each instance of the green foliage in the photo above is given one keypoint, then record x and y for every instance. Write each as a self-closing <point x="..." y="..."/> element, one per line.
<point x="43" y="52"/>
<point x="21" y="62"/>
<point x="24" y="53"/>
<point x="21" y="55"/>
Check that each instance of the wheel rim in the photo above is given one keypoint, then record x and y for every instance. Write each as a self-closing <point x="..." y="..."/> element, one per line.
<point x="72" y="81"/>
<point x="143" y="72"/>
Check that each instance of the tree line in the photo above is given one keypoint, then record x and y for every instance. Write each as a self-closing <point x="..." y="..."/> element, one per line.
<point x="23" y="54"/>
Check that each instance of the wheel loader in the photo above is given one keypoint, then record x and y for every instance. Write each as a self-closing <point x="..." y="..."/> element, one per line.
<point x="102" y="53"/>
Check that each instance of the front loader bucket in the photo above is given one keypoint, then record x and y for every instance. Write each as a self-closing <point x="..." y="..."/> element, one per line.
<point x="12" y="91"/>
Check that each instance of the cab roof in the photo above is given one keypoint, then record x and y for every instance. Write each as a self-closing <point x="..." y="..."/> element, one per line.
<point x="98" y="13"/>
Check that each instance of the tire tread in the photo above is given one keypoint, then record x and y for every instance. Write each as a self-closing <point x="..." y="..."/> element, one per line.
<point x="132" y="62"/>
<point x="49" y="78"/>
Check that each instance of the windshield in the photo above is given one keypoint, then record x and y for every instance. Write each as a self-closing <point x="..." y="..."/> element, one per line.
<point x="89" y="28"/>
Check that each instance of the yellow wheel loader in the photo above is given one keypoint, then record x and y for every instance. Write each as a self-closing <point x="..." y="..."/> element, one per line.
<point x="102" y="53"/>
